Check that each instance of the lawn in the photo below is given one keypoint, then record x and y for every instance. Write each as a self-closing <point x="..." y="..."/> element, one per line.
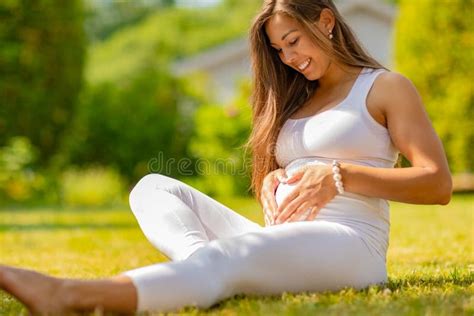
<point x="430" y="259"/>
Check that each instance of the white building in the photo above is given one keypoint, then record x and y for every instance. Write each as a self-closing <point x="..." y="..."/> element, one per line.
<point x="371" y="20"/>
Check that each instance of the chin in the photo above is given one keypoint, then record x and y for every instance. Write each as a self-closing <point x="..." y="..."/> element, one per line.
<point x="312" y="77"/>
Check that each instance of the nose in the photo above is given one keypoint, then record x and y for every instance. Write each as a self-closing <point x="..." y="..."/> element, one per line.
<point x="288" y="56"/>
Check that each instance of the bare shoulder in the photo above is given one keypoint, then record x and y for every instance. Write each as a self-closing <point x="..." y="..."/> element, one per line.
<point x="392" y="92"/>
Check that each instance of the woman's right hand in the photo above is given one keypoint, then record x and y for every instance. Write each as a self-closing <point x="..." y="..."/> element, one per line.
<point x="267" y="197"/>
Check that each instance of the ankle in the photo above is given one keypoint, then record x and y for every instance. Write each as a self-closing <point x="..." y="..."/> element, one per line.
<point x="76" y="296"/>
<point x="2" y="276"/>
<point x="69" y="294"/>
<point x="5" y="276"/>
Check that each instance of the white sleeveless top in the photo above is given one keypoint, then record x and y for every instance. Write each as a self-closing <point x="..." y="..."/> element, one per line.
<point x="346" y="132"/>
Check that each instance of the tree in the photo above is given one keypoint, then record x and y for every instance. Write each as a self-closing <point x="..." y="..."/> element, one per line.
<point x="104" y="18"/>
<point x="134" y="126"/>
<point x="434" y="41"/>
<point x="41" y="67"/>
<point x="222" y="163"/>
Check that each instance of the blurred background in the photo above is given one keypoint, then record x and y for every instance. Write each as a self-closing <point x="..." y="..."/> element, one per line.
<point x="96" y="94"/>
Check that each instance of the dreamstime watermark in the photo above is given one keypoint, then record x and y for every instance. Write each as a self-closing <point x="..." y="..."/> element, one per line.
<point x="234" y="166"/>
<point x="203" y="167"/>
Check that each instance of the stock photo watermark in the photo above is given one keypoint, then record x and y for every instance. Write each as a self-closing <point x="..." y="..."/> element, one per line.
<point x="202" y="167"/>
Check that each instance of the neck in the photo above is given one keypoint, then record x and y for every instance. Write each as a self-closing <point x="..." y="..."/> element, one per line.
<point x="337" y="74"/>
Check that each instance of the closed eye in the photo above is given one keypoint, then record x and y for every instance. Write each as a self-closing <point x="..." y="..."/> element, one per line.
<point x="279" y="50"/>
<point x="294" y="41"/>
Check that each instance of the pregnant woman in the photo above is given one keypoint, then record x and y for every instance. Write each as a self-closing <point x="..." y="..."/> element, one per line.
<point x="328" y="125"/>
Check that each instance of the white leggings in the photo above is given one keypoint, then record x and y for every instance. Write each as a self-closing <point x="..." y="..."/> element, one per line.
<point x="218" y="253"/>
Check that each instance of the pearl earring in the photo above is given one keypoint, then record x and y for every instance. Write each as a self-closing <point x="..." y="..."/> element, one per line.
<point x="330" y="35"/>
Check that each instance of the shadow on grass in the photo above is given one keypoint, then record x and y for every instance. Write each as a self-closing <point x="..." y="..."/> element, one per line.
<point x="456" y="276"/>
<point x="59" y="226"/>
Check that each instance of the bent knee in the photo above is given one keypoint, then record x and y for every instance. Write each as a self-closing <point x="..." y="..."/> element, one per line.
<point x="146" y="188"/>
<point x="151" y="182"/>
<point x="155" y="180"/>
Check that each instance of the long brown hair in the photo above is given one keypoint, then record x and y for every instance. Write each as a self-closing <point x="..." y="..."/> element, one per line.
<point x="278" y="90"/>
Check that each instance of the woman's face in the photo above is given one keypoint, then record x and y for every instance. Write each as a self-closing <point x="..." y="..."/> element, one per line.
<point x="295" y="48"/>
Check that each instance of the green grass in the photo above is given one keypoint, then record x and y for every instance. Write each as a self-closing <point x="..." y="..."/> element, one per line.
<point x="430" y="259"/>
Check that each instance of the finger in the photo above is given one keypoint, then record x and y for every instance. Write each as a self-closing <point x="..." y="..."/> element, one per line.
<point x="269" y="184"/>
<point x="277" y="178"/>
<point x="298" y="175"/>
<point x="267" y="220"/>
<point x="270" y="187"/>
<point x="264" y="205"/>
<point x="270" y="216"/>
<point x="301" y="212"/>
<point x="273" y="215"/>
<point x="282" y="179"/>
<point x="270" y="204"/>
<point x="282" y="176"/>
<point x="295" y="217"/>
<point x="290" y="209"/>
<point x="295" y="177"/>
<point x="313" y="214"/>
<point x="267" y="212"/>
<point x="274" y="185"/>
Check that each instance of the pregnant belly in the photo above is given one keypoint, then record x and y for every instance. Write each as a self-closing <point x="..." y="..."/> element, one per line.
<point x="283" y="188"/>
<point x="282" y="191"/>
<point x="347" y="206"/>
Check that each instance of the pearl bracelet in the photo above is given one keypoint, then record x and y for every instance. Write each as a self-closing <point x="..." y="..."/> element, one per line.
<point x="336" y="171"/>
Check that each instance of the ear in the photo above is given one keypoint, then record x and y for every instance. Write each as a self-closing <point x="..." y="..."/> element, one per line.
<point x="326" y="21"/>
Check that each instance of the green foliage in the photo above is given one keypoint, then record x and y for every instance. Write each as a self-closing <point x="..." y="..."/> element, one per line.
<point x="219" y="135"/>
<point x="133" y="115"/>
<point x="16" y="177"/>
<point x="126" y="125"/>
<point x="93" y="186"/>
<point x="165" y="36"/>
<point x="434" y="41"/>
<point x="131" y="111"/>
<point x="105" y="18"/>
<point x="41" y="61"/>
<point x="20" y="181"/>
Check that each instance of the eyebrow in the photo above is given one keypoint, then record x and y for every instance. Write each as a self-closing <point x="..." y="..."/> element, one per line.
<point x="286" y="34"/>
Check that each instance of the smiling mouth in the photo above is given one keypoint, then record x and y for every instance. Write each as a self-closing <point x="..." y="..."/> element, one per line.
<point x="304" y="65"/>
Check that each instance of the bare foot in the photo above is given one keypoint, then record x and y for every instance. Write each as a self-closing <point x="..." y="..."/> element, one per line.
<point x="40" y="293"/>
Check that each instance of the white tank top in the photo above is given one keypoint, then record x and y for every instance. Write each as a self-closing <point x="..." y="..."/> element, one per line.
<point x="346" y="132"/>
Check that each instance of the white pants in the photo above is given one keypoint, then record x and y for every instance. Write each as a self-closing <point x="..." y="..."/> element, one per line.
<point x="218" y="253"/>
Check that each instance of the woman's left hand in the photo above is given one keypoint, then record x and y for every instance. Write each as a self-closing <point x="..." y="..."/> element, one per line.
<point x="316" y="187"/>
